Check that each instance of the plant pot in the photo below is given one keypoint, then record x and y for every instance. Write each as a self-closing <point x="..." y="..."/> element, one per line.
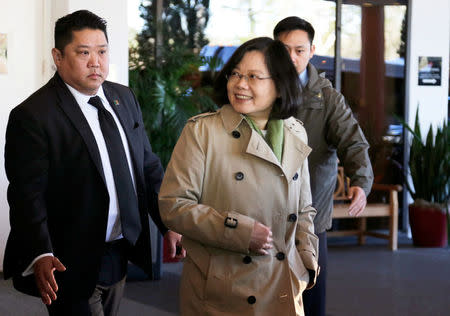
<point x="428" y="226"/>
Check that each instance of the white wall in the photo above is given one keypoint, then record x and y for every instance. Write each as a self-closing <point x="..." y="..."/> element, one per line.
<point x="429" y="36"/>
<point x="29" y="25"/>
<point x="24" y="76"/>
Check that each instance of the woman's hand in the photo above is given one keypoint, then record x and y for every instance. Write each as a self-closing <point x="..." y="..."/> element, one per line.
<point x="175" y="248"/>
<point x="261" y="239"/>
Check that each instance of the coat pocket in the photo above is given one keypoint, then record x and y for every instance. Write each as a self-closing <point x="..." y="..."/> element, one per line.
<point x="192" y="283"/>
<point x="218" y="284"/>
<point x="297" y="266"/>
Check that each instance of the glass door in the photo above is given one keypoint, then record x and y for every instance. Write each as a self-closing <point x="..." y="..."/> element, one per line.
<point x="373" y="48"/>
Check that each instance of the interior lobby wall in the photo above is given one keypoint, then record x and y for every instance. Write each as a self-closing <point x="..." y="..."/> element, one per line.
<point x="429" y="36"/>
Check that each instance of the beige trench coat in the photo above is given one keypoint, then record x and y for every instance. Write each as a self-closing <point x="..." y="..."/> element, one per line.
<point x="223" y="177"/>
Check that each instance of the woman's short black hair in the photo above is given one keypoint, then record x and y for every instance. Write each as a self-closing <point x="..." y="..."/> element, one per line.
<point x="281" y="70"/>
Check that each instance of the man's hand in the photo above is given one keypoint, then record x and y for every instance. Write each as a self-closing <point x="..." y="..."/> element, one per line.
<point x="261" y="239"/>
<point x="45" y="280"/>
<point x="359" y="201"/>
<point x="175" y="247"/>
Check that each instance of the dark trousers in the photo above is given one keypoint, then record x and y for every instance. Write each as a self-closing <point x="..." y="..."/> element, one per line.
<point x="314" y="299"/>
<point x="109" y="290"/>
<point x="104" y="301"/>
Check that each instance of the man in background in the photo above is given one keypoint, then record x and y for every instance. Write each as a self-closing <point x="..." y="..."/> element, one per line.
<point x="82" y="180"/>
<point x="333" y="133"/>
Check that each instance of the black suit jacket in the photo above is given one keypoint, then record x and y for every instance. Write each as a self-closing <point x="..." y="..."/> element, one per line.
<point x="57" y="192"/>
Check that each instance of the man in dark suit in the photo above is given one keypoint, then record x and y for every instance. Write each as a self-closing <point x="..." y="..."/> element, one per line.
<point x="82" y="180"/>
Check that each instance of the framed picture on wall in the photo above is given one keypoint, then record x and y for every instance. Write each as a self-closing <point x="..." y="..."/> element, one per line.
<point x="3" y="53"/>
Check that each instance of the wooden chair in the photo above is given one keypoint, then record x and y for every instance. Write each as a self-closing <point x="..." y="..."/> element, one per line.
<point x="384" y="209"/>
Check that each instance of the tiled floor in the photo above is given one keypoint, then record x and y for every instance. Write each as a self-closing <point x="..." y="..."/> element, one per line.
<point x="362" y="281"/>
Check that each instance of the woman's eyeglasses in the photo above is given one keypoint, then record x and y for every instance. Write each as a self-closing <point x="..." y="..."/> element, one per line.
<point x="252" y="79"/>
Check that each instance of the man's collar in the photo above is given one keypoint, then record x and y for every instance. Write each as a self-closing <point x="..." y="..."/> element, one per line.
<point x="83" y="98"/>
<point x="304" y="77"/>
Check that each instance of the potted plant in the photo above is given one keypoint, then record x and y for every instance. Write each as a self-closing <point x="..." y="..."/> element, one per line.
<point x="169" y="95"/>
<point x="429" y="164"/>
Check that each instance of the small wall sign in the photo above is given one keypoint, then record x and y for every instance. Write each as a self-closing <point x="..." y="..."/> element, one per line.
<point x="430" y="70"/>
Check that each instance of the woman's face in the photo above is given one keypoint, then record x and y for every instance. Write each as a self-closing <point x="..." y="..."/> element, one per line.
<point x="250" y="89"/>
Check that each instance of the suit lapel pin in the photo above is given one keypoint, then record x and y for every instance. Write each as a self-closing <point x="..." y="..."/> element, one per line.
<point x="116" y="102"/>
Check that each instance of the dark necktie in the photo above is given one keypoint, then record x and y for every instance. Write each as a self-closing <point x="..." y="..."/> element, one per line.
<point x="128" y="206"/>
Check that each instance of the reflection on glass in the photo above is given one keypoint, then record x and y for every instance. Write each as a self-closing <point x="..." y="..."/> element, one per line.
<point x="232" y="22"/>
<point x="373" y="46"/>
<point x="351" y="32"/>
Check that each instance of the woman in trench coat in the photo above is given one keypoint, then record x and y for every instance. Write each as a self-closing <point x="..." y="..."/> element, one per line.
<point x="237" y="189"/>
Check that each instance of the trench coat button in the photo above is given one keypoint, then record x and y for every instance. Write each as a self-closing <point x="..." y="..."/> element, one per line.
<point x="297" y="242"/>
<point x="236" y="134"/>
<point x="239" y="176"/>
<point x="280" y="256"/>
<point x="231" y="222"/>
<point x="251" y="299"/>
<point x="292" y="217"/>
<point x="295" y="176"/>
<point x="247" y="259"/>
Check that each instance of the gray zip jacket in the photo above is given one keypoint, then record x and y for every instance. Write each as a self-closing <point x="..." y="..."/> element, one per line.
<point x="333" y="133"/>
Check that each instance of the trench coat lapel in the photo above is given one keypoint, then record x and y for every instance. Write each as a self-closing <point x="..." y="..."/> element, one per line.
<point x="258" y="147"/>
<point x="295" y="151"/>
<point x="70" y="106"/>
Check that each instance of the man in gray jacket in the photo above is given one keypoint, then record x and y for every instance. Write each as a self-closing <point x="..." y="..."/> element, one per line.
<point x="333" y="133"/>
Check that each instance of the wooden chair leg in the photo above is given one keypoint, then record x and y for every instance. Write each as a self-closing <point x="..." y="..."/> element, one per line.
<point x="393" y="220"/>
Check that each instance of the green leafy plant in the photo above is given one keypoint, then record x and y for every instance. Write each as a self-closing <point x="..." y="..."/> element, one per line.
<point x="168" y="96"/>
<point x="182" y="24"/>
<point x="429" y="164"/>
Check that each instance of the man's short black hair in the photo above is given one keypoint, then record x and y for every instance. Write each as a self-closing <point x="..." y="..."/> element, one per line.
<point x="280" y="67"/>
<point x="76" y="21"/>
<point x="293" y="23"/>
